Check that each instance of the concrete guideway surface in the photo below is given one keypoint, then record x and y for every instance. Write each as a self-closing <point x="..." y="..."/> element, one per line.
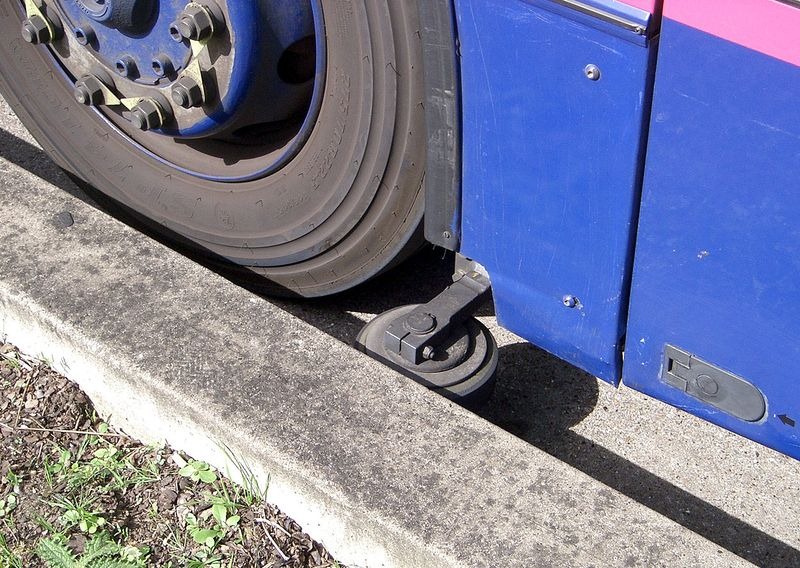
<point x="380" y="470"/>
<point x="376" y="467"/>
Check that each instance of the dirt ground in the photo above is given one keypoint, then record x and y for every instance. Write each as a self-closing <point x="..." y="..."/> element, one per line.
<point x="74" y="493"/>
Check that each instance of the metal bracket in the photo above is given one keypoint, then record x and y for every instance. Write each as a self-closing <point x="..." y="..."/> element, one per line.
<point x="442" y="122"/>
<point x="416" y="336"/>
<point x="194" y="70"/>
<point x="111" y="99"/>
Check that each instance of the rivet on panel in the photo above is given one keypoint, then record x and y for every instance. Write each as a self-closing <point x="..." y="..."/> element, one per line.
<point x="592" y="72"/>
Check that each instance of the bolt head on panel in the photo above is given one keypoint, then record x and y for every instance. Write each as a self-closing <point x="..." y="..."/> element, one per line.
<point x="592" y="72"/>
<point x="570" y="301"/>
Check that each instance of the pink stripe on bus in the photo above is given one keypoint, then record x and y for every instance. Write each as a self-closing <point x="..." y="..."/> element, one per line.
<point x="646" y="5"/>
<point x="768" y="26"/>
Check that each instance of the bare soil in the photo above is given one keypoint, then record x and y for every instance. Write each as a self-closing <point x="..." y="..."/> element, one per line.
<point x="68" y="481"/>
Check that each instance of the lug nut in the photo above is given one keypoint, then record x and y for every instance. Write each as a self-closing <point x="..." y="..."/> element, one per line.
<point x="35" y="30"/>
<point x="84" y="35"/>
<point x="126" y="66"/>
<point x="194" y="23"/>
<point x="162" y="65"/>
<point x="148" y="114"/>
<point x="89" y="91"/>
<point x="187" y="93"/>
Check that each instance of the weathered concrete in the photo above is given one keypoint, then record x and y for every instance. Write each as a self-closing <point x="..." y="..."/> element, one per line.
<point x="379" y="469"/>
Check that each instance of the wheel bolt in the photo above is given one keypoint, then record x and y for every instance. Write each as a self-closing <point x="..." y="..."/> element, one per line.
<point x="126" y="66"/>
<point x="89" y="91"/>
<point x="84" y="35"/>
<point x="35" y="30"/>
<point x="187" y="93"/>
<point x="188" y="28"/>
<point x="162" y="65"/>
<point x="148" y="114"/>
<point x="194" y="23"/>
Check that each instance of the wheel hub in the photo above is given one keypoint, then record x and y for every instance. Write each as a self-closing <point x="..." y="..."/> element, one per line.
<point x="127" y="16"/>
<point x="210" y="73"/>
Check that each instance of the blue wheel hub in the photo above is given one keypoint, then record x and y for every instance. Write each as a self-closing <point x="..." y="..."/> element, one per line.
<point x="221" y="75"/>
<point x="124" y="15"/>
<point x="134" y="30"/>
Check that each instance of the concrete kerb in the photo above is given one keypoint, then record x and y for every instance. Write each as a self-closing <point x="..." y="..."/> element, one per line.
<point x="380" y="470"/>
<point x="143" y="410"/>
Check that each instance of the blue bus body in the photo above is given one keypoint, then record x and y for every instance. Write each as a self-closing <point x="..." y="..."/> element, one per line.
<point x="630" y="183"/>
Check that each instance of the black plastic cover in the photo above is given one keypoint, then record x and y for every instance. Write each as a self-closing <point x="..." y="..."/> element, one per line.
<point x="713" y="385"/>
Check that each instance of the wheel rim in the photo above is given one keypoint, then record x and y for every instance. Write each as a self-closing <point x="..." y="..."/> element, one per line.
<point x="261" y="72"/>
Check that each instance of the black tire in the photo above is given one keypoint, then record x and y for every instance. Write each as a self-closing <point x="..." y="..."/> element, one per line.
<point x="346" y="207"/>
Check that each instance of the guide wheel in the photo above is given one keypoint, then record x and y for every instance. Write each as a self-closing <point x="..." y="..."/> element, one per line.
<point x="462" y="368"/>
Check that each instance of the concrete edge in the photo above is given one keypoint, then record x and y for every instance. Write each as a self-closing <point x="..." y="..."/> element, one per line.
<point x="326" y="515"/>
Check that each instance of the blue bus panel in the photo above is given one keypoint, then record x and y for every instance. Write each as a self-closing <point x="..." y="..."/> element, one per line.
<point x="555" y="103"/>
<point x="717" y="270"/>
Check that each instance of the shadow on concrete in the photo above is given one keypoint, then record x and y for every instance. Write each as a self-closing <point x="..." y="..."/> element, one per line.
<point x="538" y="397"/>
<point x="36" y="161"/>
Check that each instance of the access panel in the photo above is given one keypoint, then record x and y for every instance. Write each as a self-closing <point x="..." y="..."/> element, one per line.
<point x="555" y="102"/>
<point x="715" y="316"/>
